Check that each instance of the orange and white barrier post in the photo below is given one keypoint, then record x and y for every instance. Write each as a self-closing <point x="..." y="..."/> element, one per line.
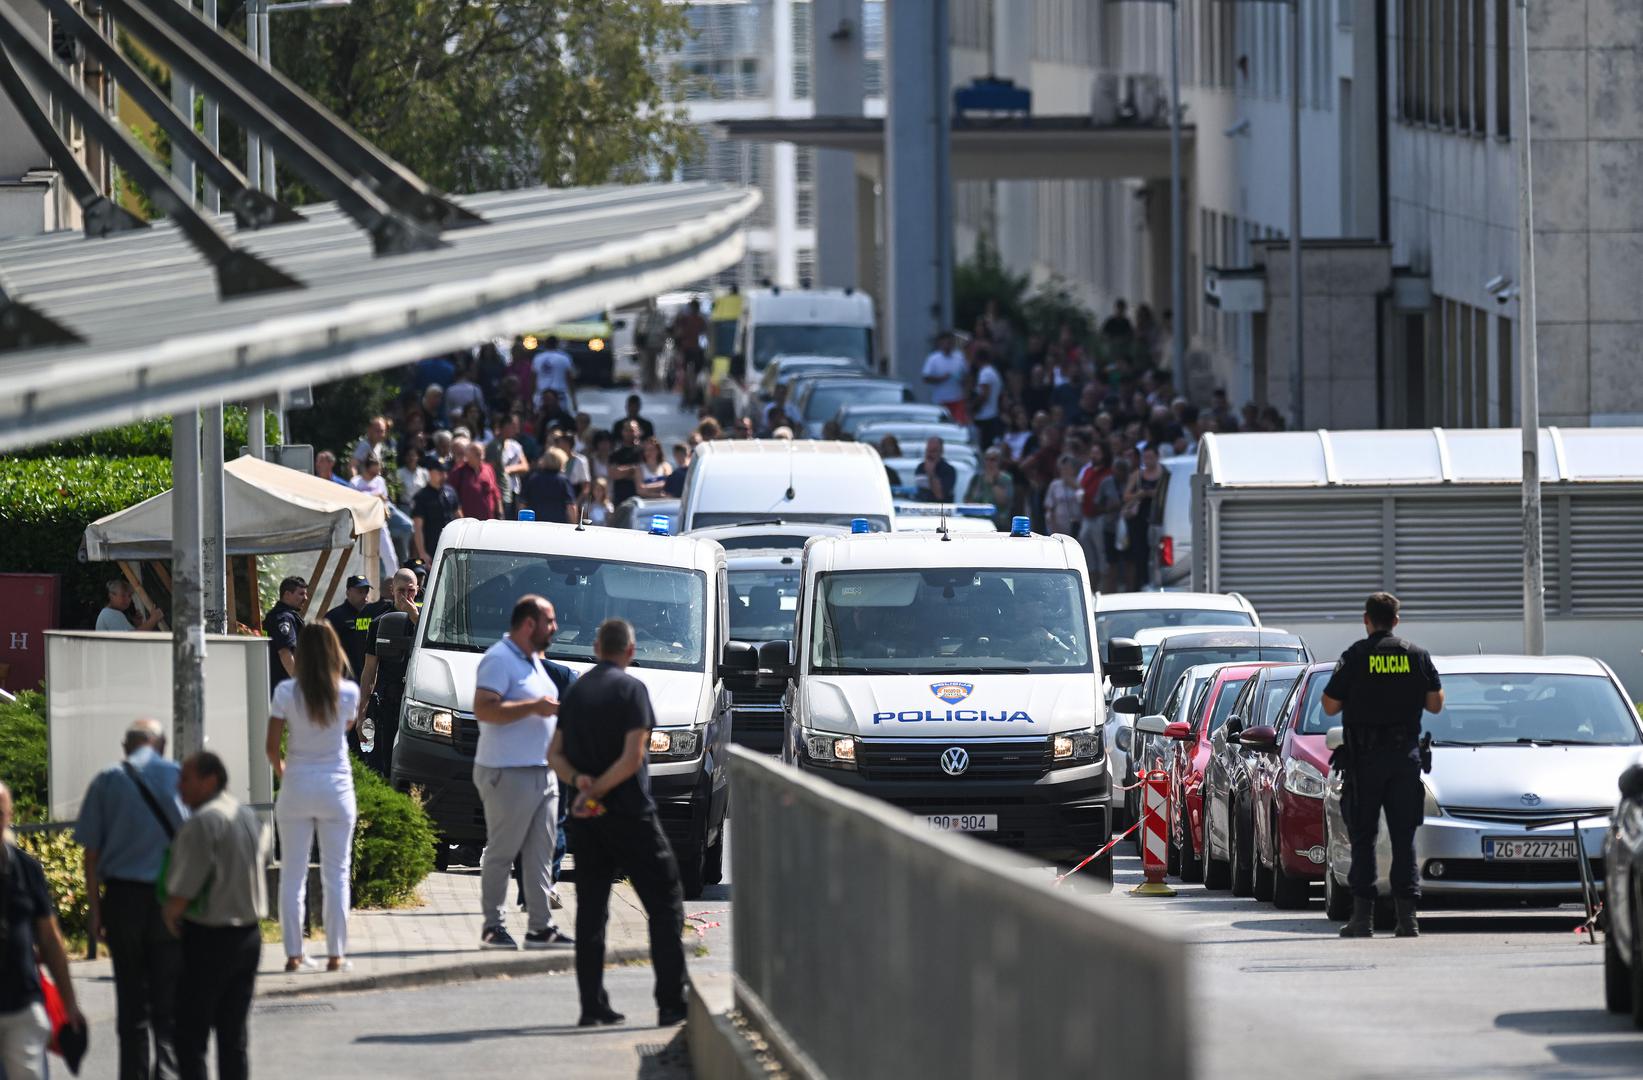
<point x="1154" y="845"/>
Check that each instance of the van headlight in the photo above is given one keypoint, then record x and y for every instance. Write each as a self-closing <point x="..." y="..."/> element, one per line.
<point x="669" y="743"/>
<point x="1303" y="778"/>
<point x="833" y="751"/>
<point x="428" y="721"/>
<point x="1075" y="746"/>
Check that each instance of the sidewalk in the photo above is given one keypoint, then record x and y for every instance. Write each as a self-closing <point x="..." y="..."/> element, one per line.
<point x="435" y="942"/>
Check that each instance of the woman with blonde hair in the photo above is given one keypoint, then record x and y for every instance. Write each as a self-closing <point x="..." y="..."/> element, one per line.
<point x="316" y="794"/>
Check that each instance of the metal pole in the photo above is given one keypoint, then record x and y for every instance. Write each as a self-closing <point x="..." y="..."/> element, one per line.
<point x="182" y="99"/>
<point x="265" y="36"/>
<point x="253" y="143"/>
<point x="1534" y="572"/>
<point x="284" y="432"/>
<point x="187" y="633"/>
<point x="1177" y="238"/>
<point x="256" y="428"/>
<point x="1297" y="387"/>
<point x="213" y="198"/>
<point x="213" y="539"/>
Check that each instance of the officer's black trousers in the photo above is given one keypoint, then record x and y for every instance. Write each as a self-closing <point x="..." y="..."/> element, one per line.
<point x="146" y="962"/>
<point x="1384" y="779"/>
<point x="636" y="846"/>
<point x="384" y="713"/>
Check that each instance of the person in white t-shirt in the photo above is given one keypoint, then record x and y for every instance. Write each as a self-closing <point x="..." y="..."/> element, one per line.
<point x="555" y="371"/>
<point x="989" y="387"/>
<point x="944" y="373"/>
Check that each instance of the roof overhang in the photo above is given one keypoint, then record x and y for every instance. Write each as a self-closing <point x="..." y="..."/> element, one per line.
<point x="1012" y="148"/>
<point x="157" y="337"/>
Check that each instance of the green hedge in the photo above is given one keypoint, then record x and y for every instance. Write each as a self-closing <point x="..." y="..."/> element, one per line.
<point x="393" y="842"/>
<point x="148" y="438"/>
<point x="46" y="504"/>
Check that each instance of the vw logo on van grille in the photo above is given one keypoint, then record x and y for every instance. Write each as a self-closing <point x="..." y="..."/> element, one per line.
<point x="954" y="760"/>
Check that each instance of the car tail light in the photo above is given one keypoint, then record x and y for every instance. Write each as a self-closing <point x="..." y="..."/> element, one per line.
<point x="1166" y="551"/>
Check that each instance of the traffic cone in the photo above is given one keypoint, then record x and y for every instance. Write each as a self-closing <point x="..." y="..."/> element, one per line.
<point x="1154" y="846"/>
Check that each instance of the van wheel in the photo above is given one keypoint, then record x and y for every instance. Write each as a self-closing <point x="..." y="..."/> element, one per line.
<point x="713" y="864"/>
<point x="690" y="874"/>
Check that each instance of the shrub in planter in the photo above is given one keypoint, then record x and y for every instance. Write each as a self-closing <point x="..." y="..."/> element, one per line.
<point x="393" y="842"/>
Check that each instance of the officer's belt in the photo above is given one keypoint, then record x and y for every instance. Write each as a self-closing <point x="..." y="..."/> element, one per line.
<point x="1382" y="737"/>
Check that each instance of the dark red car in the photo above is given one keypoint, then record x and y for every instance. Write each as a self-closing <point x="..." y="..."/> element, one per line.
<point x="1189" y="754"/>
<point x="1287" y="792"/>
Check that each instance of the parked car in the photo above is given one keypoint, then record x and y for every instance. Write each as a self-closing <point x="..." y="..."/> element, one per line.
<point x="1228" y="852"/>
<point x="1623" y="907"/>
<point x="913" y="434"/>
<point x="1181" y="709"/>
<point x="818" y="399"/>
<point x="638" y="513"/>
<point x="1123" y="615"/>
<point x="1523" y="745"/>
<point x="853" y="416"/>
<point x="785" y="369"/>
<point x="1291" y="770"/>
<point x="1172" y="522"/>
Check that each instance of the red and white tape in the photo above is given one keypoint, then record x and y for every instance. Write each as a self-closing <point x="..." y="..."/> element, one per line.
<point x="1108" y="846"/>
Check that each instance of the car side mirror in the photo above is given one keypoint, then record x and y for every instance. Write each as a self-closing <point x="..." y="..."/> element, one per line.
<point x="775" y="663"/>
<point x="1631" y="782"/>
<point x="1336" y="738"/>
<point x="1129" y="704"/>
<point x="740" y="658"/>
<point x="393" y="633"/>
<point x="1261" y="737"/>
<point x="1178" y="729"/>
<point x="1151" y="725"/>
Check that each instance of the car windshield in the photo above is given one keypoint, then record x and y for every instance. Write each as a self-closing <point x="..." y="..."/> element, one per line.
<point x="950" y="621"/>
<point x="773" y="340"/>
<point x="475" y="593"/>
<point x="826" y="400"/>
<point x="763" y="604"/>
<point x="1175" y="661"/>
<point x="1124" y="624"/>
<point x="1224" y="702"/>
<point x="1497" y="709"/>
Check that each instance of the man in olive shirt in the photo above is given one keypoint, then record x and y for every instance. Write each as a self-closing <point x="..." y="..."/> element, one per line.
<point x="599" y="749"/>
<point x="217" y="895"/>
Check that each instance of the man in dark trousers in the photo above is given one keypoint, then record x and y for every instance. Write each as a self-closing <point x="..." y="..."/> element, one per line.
<point x="281" y="624"/>
<point x="599" y="750"/>
<point x="127" y="820"/>
<point x="1382" y="683"/>
<point x="382" y="680"/>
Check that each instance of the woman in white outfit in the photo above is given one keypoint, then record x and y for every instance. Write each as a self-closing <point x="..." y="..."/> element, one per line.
<point x="317" y="707"/>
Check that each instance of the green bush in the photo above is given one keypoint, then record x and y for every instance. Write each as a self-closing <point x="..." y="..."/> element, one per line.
<point x="393" y="842"/>
<point x="23" y="754"/>
<point x="46" y="504"/>
<point x="149" y="438"/>
<point x="63" y="861"/>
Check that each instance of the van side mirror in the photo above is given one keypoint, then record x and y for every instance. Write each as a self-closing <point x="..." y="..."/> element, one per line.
<point x="1129" y="704"/>
<point x="740" y="658"/>
<point x="775" y="663"/>
<point x="1124" y="667"/>
<point x="1336" y="738"/>
<point x="1631" y="782"/>
<point x="394" y="631"/>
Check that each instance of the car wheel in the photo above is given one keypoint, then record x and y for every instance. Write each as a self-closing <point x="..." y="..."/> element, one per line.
<point x="1337" y="899"/>
<point x="1288" y="893"/>
<point x="1636" y="971"/>
<point x="1192" y="864"/>
<point x="1617" y="978"/>
<point x="1262" y="872"/>
<point x="1217" y="872"/>
<point x="1243" y="876"/>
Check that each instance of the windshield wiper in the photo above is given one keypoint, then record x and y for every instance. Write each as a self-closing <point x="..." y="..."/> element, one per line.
<point x="975" y="671"/>
<point x="455" y="646"/>
<point x="862" y="671"/>
<point x="1457" y="742"/>
<point x="1527" y="741"/>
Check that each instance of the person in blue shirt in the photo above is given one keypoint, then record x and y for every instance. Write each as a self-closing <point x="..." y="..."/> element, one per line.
<point x="126" y="822"/>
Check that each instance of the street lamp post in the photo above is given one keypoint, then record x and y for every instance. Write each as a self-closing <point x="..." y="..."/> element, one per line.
<point x="1534" y="570"/>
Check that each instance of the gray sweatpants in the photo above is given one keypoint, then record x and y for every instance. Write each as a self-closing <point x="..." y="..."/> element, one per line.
<point x="521" y="814"/>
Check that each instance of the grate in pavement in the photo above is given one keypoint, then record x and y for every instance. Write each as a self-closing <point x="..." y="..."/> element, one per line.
<point x="290" y="1008"/>
<point x="1278" y="968"/>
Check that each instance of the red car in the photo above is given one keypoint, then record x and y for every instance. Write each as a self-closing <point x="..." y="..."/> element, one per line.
<point x="1189" y="753"/>
<point x="1291" y="772"/>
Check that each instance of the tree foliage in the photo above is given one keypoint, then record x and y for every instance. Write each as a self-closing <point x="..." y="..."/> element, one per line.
<point x="475" y="95"/>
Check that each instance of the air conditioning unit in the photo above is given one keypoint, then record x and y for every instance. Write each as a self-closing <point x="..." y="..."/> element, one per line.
<point x="1104" y="99"/>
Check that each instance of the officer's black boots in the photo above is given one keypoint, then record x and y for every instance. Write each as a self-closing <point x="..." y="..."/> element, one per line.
<point x="1362" y="922"/>
<point x="1407" y="926"/>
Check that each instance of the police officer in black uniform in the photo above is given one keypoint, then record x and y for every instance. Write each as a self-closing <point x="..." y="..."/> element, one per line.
<point x="382" y="677"/>
<point x="281" y="625"/>
<point x="352" y="620"/>
<point x="1382" y="683"/>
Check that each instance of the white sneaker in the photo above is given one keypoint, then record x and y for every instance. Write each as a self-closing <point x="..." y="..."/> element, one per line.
<point x="305" y="965"/>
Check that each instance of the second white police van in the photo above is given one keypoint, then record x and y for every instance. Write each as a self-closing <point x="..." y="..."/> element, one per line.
<point x="955" y="677"/>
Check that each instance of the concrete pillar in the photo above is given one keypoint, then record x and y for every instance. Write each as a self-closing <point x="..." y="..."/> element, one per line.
<point x="784" y="251"/>
<point x="836" y="37"/>
<point x="187" y="630"/>
<point x="918" y="182"/>
<point x="256" y="428"/>
<point x="213" y="535"/>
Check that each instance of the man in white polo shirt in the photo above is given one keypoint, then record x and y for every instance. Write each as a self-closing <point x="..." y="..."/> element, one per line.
<point x="516" y="703"/>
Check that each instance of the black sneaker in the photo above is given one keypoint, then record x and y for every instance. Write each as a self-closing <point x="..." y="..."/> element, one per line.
<point x="671" y="1016"/>
<point x="605" y="1017"/>
<point x="497" y="937"/>
<point x="551" y="938"/>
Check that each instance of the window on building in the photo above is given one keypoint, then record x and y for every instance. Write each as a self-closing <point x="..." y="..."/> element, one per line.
<point x="804" y="187"/>
<point x="805" y="265"/>
<point x="1503" y="68"/>
<point x="872" y="48"/>
<point x="1480" y="65"/>
<point x="803" y="49"/>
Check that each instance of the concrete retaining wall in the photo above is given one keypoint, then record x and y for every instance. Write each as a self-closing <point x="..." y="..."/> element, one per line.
<point x="869" y="947"/>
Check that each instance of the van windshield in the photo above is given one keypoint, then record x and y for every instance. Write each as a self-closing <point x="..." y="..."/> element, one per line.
<point x="950" y="622"/>
<point x="476" y="590"/>
<point x="771" y="340"/>
<point x="764" y="604"/>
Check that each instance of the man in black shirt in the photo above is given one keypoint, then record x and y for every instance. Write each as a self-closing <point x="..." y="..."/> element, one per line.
<point x="634" y="404"/>
<point x="432" y="508"/>
<point x="382" y="679"/>
<point x="1382" y="683"/>
<point x="624" y="464"/>
<point x="351" y="619"/>
<point x="936" y="476"/>
<point x="599" y="750"/>
<point x="281" y="624"/>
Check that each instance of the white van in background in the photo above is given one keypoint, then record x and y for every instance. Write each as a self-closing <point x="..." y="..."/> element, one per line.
<point x="791" y="480"/>
<point x="804" y="322"/>
<point x="1172" y="523"/>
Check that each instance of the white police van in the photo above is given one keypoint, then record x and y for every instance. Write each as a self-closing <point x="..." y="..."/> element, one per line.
<point x="671" y="588"/>
<point x="954" y="676"/>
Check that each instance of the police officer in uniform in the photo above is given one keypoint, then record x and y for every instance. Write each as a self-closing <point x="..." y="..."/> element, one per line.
<point x="1382" y="683"/>
<point x="352" y="619"/>
<point x="281" y="625"/>
<point x="382" y="679"/>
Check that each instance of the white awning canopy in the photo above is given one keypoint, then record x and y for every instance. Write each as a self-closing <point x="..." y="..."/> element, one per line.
<point x="156" y="337"/>
<point x="267" y="510"/>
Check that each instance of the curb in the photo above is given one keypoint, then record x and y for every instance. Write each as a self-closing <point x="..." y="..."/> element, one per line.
<point x="462" y="968"/>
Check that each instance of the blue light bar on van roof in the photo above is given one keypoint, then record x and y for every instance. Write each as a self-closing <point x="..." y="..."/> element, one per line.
<point x="527" y="515"/>
<point x="659" y="525"/>
<point x="859" y="525"/>
<point x="1021" y="526"/>
<point x="968" y="510"/>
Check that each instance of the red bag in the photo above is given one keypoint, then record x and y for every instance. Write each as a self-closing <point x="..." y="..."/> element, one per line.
<point x="56" y="1014"/>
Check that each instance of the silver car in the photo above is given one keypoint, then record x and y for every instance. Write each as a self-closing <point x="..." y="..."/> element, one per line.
<point x="1522" y="744"/>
